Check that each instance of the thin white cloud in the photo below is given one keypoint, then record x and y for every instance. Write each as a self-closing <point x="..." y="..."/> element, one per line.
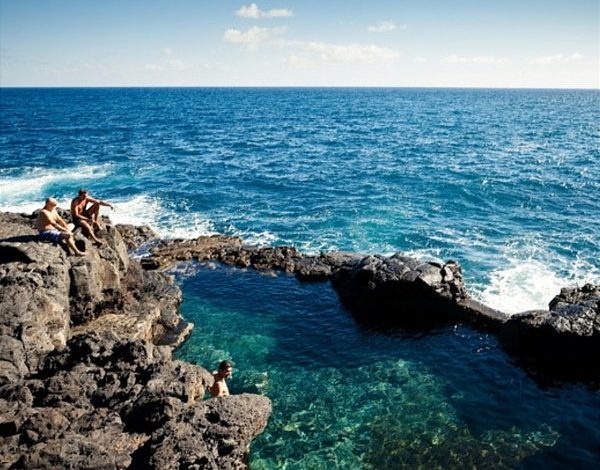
<point x="279" y="13"/>
<point x="557" y="59"/>
<point x="252" y="11"/>
<point x="172" y="64"/>
<point x="299" y="62"/>
<point x="311" y="53"/>
<point x="420" y="60"/>
<point x="485" y="59"/>
<point x="178" y="65"/>
<point x="352" y="53"/>
<point x="167" y="51"/>
<point x="253" y="37"/>
<point x="383" y="27"/>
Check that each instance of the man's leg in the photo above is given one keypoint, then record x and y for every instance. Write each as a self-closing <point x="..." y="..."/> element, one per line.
<point x="89" y="231"/>
<point x="68" y="237"/>
<point x="93" y="212"/>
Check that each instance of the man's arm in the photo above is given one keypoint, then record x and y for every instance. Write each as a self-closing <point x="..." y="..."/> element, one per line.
<point x="99" y="202"/>
<point x="60" y="223"/>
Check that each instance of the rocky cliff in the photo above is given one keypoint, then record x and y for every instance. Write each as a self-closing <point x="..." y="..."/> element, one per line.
<point x="86" y="374"/>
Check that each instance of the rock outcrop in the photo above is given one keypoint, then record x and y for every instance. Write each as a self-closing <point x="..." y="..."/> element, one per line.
<point x="565" y="337"/>
<point x="400" y="289"/>
<point x="575" y="312"/>
<point x="86" y="374"/>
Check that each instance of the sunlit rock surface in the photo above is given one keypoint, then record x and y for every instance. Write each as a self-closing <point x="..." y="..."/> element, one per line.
<point x="86" y="374"/>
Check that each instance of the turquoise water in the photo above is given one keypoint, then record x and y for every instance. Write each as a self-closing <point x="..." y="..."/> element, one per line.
<point x="507" y="182"/>
<point x="345" y="396"/>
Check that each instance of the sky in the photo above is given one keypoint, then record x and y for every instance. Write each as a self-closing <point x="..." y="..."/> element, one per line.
<point x="396" y="43"/>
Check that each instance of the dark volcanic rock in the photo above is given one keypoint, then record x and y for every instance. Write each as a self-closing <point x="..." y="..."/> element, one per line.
<point x="134" y="236"/>
<point x="577" y="310"/>
<point x="86" y="374"/>
<point x="215" y="428"/>
<point x="34" y="298"/>
<point x="217" y="247"/>
<point x="574" y="313"/>
<point x="400" y="289"/>
<point x="564" y="339"/>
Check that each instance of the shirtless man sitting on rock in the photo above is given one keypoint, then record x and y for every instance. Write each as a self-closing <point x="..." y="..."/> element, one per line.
<point x="53" y="228"/>
<point x="87" y="217"/>
<point x="219" y="388"/>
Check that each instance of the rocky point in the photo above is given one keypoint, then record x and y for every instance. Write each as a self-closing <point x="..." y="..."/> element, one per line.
<point x="86" y="374"/>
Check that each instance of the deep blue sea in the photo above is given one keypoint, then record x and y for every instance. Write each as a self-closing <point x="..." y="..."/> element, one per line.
<point x="507" y="182"/>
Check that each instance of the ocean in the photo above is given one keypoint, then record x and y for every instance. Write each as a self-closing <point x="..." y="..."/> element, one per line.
<point x="506" y="182"/>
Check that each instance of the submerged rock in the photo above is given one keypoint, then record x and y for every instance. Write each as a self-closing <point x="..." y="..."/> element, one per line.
<point x="86" y="374"/>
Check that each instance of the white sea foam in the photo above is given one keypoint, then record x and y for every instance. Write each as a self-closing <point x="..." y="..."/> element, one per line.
<point x="168" y="223"/>
<point x="529" y="284"/>
<point x="27" y="207"/>
<point x="426" y="255"/>
<point x="264" y="238"/>
<point x="31" y="183"/>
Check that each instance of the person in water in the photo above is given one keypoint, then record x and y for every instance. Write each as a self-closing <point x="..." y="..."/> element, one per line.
<point x="52" y="226"/>
<point x="219" y="388"/>
<point x="85" y="211"/>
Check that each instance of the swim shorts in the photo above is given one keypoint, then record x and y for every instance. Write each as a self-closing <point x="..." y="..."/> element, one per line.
<point x="50" y="235"/>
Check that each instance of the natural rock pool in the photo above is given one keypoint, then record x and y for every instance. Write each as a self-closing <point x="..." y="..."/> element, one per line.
<point x="348" y="396"/>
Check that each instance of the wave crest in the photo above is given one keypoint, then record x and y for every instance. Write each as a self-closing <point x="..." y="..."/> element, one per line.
<point x="33" y="183"/>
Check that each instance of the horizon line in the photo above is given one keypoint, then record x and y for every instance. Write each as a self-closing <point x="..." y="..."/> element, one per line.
<point x="31" y="87"/>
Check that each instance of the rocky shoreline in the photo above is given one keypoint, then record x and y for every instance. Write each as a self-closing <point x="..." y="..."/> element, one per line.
<point x="400" y="291"/>
<point x="86" y="374"/>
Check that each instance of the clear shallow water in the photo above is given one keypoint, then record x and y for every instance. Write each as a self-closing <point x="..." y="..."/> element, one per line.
<point x="505" y="181"/>
<point x="345" y="396"/>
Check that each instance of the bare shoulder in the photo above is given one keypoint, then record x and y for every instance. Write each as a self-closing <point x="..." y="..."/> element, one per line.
<point x="45" y="214"/>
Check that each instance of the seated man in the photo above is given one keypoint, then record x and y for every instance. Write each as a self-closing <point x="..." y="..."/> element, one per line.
<point x="52" y="227"/>
<point x="87" y="217"/>
<point x="219" y="388"/>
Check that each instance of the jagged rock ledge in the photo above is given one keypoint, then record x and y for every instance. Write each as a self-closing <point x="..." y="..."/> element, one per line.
<point x="86" y="374"/>
<point x="402" y="291"/>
